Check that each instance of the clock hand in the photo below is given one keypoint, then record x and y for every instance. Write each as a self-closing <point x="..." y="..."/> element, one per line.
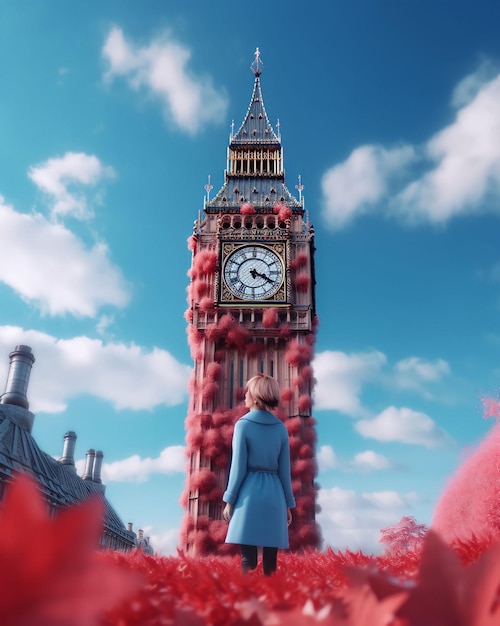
<point x="254" y="273"/>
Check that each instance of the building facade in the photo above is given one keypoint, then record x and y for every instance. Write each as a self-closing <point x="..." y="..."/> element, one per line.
<point x="251" y="309"/>
<point x="58" y="479"/>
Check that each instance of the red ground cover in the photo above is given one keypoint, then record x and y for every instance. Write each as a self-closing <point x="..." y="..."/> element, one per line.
<point x="52" y="575"/>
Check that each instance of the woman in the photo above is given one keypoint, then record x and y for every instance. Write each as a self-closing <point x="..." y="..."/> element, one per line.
<point x="259" y="492"/>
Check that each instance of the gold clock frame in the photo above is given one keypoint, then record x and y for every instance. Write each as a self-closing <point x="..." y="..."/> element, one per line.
<point x="280" y="297"/>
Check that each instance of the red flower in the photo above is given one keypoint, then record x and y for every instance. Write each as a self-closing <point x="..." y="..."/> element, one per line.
<point x="51" y="573"/>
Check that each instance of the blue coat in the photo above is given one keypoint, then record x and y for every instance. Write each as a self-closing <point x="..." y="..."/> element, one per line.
<point x="259" y="485"/>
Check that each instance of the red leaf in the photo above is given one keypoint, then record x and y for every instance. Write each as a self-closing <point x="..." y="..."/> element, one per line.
<point x="50" y="573"/>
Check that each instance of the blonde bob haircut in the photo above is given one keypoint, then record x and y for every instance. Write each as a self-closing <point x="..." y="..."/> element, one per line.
<point x="265" y="391"/>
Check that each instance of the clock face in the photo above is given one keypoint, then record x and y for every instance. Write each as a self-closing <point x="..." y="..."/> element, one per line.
<point x="253" y="272"/>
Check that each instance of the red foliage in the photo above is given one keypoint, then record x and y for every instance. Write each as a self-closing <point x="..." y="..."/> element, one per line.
<point x="307" y="373"/>
<point x="51" y="572"/>
<point x="293" y="425"/>
<point x="206" y="304"/>
<point x="247" y="209"/>
<point x="283" y="212"/>
<point x="199" y="289"/>
<point x="213" y="332"/>
<point x="287" y="394"/>
<point x="194" y="438"/>
<point x="491" y="408"/>
<point x="270" y="318"/>
<point x="298" y="354"/>
<point x="305" y="469"/>
<point x="204" y="480"/>
<point x="205" y="420"/>
<point x="214" y="495"/>
<point x="309" y="434"/>
<point x="404" y="536"/>
<point x="191" y="242"/>
<point x="299" y="261"/>
<point x="304" y="403"/>
<point x="254" y="348"/>
<point x="306" y="451"/>
<point x="222" y="416"/>
<point x="214" y="370"/>
<point x="205" y="262"/>
<point x="469" y="505"/>
<point x="295" y="444"/>
<point x="209" y="389"/>
<point x="213" y="443"/>
<point x="226" y="322"/>
<point x="298" y="381"/>
<point x="302" y="282"/>
<point x="237" y="336"/>
<point x="53" y="576"/>
<point x="285" y="331"/>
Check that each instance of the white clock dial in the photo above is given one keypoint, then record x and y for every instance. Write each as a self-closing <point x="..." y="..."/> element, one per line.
<point x="253" y="272"/>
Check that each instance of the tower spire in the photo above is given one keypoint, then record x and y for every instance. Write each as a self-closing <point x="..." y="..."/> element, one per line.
<point x="257" y="65"/>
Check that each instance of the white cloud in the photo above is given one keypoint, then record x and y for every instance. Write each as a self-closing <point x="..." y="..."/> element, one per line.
<point x="326" y="458"/>
<point x="416" y="373"/>
<point x="355" y="186"/>
<point x="340" y="378"/>
<point x="460" y="165"/>
<point x="64" y="181"/>
<point x="136" y="469"/>
<point x="366" y="461"/>
<point x="354" y="520"/>
<point x="466" y="158"/>
<point x="126" y="376"/>
<point x="468" y="88"/>
<point x="370" y="460"/>
<point x="417" y="369"/>
<point x="160" y="68"/>
<point x="164" y="542"/>
<point x="404" y="426"/>
<point x="51" y="268"/>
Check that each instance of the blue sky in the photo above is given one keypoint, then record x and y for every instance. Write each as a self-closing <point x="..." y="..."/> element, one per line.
<point x="112" y="117"/>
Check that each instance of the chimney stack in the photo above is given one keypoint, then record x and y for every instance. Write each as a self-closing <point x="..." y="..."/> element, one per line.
<point x="96" y="472"/>
<point x="68" y="455"/>
<point x="89" y="465"/>
<point x="21" y="360"/>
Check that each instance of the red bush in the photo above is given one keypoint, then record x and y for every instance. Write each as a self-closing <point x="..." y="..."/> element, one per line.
<point x="270" y="318"/>
<point x="204" y="480"/>
<point x="302" y="282"/>
<point x="214" y="370"/>
<point x="206" y="304"/>
<point x="298" y="354"/>
<point x="247" y="209"/>
<point x="304" y="403"/>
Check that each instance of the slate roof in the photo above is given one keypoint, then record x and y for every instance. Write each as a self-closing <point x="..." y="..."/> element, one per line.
<point x="60" y="483"/>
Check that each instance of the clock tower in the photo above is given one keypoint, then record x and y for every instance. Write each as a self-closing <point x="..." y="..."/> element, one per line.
<point x="251" y="309"/>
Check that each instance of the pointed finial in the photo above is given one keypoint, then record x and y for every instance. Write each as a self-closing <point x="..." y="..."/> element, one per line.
<point x="257" y="65"/>
<point x="208" y="188"/>
<point x="278" y="126"/>
<point x="232" y="129"/>
<point x="300" y="188"/>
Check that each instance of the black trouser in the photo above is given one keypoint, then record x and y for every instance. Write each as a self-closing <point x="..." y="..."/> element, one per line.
<point x="249" y="559"/>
